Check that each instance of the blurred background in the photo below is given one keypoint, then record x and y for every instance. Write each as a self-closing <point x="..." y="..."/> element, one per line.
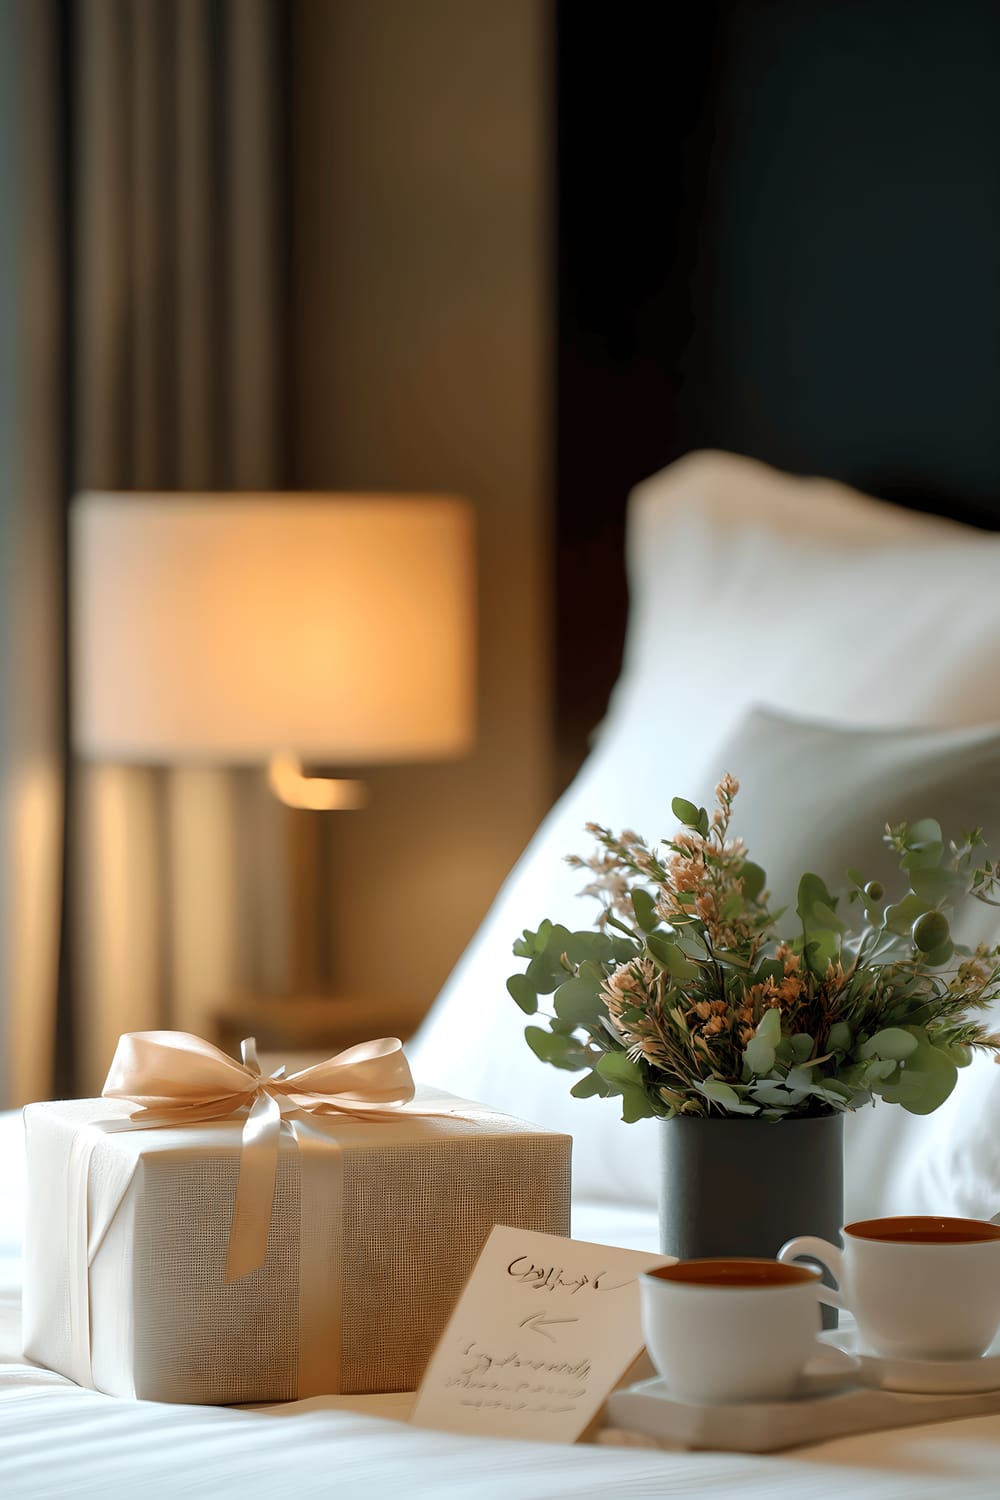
<point x="523" y="252"/>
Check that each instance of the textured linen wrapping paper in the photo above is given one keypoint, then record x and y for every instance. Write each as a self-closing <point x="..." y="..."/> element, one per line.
<point x="374" y="1229"/>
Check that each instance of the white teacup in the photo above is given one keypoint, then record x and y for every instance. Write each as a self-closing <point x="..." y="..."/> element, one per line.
<point x="920" y="1287"/>
<point x="730" y="1330"/>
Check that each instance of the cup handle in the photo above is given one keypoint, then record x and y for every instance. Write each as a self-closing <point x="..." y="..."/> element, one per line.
<point x="808" y="1247"/>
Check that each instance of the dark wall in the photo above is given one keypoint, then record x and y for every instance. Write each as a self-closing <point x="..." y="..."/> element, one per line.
<point x="779" y="234"/>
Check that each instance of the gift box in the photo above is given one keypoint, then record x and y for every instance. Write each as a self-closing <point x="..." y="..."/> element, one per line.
<point x="366" y="1220"/>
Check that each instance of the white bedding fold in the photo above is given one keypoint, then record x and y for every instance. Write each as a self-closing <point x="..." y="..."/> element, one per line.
<point x="60" y="1443"/>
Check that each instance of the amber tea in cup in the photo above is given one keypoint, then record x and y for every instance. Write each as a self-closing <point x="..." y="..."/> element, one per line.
<point x="925" y="1230"/>
<point x="735" y="1272"/>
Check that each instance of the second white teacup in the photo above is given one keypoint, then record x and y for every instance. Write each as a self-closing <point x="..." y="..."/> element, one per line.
<point x="730" y="1329"/>
<point x="919" y="1286"/>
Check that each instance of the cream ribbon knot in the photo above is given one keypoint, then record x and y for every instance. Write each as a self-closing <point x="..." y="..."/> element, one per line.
<point x="179" y="1079"/>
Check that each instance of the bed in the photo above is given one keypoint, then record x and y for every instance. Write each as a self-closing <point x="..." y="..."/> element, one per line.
<point x="866" y="678"/>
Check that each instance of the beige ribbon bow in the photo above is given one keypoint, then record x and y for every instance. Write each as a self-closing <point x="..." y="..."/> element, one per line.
<point x="179" y="1079"/>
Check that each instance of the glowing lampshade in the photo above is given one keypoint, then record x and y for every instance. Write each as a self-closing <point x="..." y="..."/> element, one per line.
<point x="224" y="628"/>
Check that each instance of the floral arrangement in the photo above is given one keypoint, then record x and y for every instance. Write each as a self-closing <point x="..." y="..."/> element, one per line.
<point x="685" y="999"/>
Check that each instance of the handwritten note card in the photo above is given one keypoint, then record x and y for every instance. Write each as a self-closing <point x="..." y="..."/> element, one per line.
<point x="543" y="1332"/>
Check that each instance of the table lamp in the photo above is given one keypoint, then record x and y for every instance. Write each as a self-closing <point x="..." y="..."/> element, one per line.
<point x="280" y="630"/>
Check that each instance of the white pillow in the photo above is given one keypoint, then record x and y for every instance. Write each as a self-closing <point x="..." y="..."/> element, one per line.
<point x="746" y="586"/>
<point x="750" y="586"/>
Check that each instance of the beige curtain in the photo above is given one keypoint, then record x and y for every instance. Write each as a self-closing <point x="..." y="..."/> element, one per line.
<point x="178" y="274"/>
<point x="31" y="517"/>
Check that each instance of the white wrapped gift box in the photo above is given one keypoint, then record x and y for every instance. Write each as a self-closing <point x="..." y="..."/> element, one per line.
<point x="374" y="1227"/>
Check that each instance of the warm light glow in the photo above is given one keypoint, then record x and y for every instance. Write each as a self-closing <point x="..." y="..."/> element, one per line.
<point x="218" y="628"/>
<point x="31" y="809"/>
<point x="319" y="793"/>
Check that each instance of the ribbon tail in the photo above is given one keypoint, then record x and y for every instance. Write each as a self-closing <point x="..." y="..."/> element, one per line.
<point x="255" y="1189"/>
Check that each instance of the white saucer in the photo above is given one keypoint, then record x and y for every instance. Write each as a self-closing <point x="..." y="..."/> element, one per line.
<point x="830" y="1369"/>
<point x="936" y="1377"/>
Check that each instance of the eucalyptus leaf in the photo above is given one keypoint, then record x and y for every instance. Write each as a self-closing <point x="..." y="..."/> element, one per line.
<point x="924" y="845"/>
<point x="685" y="812"/>
<point x="924" y="834"/>
<point x="636" y="1105"/>
<point x="769" y="968"/>
<point x="901" y="915"/>
<point x="722" y="1094"/>
<point x="592" y="971"/>
<point x="940" y="956"/>
<point x="769" y="1026"/>
<point x="923" y="859"/>
<point x="545" y="974"/>
<point x="590" y="1087"/>
<point x="816" y="907"/>
<point x="542" y="935"/>
<point x="775" y="1094"/>
<point x="621" y="1076"/>
<point x="892" y="1042"/>
<point x="559" y="936"/>
<point x="618" y="1067"/>
<point x="820" y="951"/>
<point x="670" y="956"/>
<point x="579" y="1001"/>
<point x="758" y="1054"/>
<point x="878" y="1070"/>
<point x="520" y="989"/>
<point x="925" y="1081"/>
<point x="840" y="1036"/>
<point x="838" y="1090"/>
<point x="717" y="1091"/>
<point x="559" y="1051"/>
<point x="645" y="909"/>
<point x="596" y="946"/>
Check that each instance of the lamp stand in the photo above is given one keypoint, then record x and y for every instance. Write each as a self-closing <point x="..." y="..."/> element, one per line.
<point x="309" y="970"/>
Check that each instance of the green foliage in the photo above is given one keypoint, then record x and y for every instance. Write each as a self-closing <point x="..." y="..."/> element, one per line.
<point x="684" y="997"/>
<point x="645" y="909"/>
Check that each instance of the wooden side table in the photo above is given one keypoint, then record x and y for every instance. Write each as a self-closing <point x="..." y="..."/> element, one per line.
<point x="290" y="1027"/>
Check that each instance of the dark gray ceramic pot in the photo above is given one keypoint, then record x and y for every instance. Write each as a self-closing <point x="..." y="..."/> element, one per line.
<point x="742" y="1186"/>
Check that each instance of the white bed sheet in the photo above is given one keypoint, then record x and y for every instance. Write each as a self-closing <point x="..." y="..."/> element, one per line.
<point x="58" y="1442"/>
